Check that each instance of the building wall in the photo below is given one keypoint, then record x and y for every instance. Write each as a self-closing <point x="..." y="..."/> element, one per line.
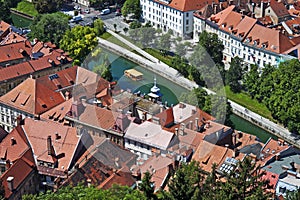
<point x="167" y="18"/>
<point x="83" y="2"/>
<point x="29" y="186"/>
<point x="8" y="116"/>
<point x="233" y="46"/>
<point x="142" y="150"/>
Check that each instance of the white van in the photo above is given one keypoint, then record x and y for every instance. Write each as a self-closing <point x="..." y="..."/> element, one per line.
<point x="105" y="11"/>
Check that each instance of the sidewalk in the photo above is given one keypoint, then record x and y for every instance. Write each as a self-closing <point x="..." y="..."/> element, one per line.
<point x="154" y="65"/>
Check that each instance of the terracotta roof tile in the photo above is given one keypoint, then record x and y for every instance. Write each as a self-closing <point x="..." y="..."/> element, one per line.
<point x="14" y="51"/>
<point x="166" y="117"/>
<point x="19" y="175"/>
<point x="187" y="5"/>
<point x="12" y="37"/>
<point x="208" y="154"/>
<point x="279" y="9"/>
<point x="3" y="27"/>
<point x="15" y="71"/>
<point x="14" y="145"/>
<point x="64" y="145"/>
<point x="25" y="97"/>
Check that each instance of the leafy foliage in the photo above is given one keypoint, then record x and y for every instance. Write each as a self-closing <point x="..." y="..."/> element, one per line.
<point x="49" y="27"/>
<point x="5" y="11"/>
<point x="132" y="6"/>
<point x="47" y="6"/>
<point x="104" y="69"/>
<point x="147" y="187"/>
<point x="99" y="27"/>
<point x="79" y="42"/>
<point x="235" y="74"/>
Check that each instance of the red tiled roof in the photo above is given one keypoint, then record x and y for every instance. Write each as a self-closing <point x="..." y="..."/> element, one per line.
<point x="279" y="9"/>
<point x="3" y="27"/>
<point x="166" y="117"/>
<point x="32" y="97"/>
<point x="13" y="151"/>
<point x="64" y="146"/>
<point x="13" y="51"/>
<point x="65" y="78"/>
<point x="187" y="5"/>
<point x="15" y="71"/>
<point x="272" y="177"/>
<point x="20" y="171"/>
<point x="12" y="37"/>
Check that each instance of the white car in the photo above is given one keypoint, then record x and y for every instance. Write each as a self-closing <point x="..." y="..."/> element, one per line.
<point x="77" y="7"/>
<point x="87" y="11"/>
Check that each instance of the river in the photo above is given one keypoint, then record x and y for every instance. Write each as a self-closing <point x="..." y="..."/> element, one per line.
<point x="171" y="92"/>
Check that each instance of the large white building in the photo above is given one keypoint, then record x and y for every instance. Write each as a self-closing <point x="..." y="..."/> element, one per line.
<point x="242" y="36"/>
<point x="175" y="15"/>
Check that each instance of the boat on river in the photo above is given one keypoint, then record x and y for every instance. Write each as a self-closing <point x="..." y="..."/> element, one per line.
<point x="133" y="74"/>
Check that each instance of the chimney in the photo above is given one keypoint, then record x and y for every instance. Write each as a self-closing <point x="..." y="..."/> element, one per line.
<point x="10" y="183"/>
<point x="181" y="130"/>
<point x="89" y="182"/>
<point x="155" y="120"/>
<point x="67" y="95"/>
<point x="20" y="120"/>
<point x="57" y="136"/>
<point x="235" y="153"/>
<point x="234" y="139"/>
<point x="191" y="125"/>
<point x="277" y="156"/>
<point x="207" y="125"/>
<point x="7" y="164"/>
<point x="49" y="145"/>
<point x="144" y="117"/>
<point x="215" y="8"/>
<point x="197" y="123"/>
<point x="13" y="141"/>
<point x="161" y="108"/>
<point x="176" y="131"/>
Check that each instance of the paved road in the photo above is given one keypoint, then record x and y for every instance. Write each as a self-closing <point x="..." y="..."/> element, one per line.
<point x="154" y="64"/>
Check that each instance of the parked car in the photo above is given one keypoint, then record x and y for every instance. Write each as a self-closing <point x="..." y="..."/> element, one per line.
<point x="105" y="11"/>
<point x="77" y="7"/>
<point x="87" y="11"/>
<point x="76" y="19"/>
<point x="118" y="12"/>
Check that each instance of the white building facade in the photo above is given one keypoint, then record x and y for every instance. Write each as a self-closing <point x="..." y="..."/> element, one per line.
<point x="172" y="15"/>
<point x="244" y="38"/>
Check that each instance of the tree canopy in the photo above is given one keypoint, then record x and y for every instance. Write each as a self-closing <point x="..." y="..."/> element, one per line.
<point x="79" y="42"/>
<point x="47" y="6"/>
<point x="132" y="7"/>
<point x="5" y="11"/>
<point x="49" y="27"/>
<point x="99" y="27"/>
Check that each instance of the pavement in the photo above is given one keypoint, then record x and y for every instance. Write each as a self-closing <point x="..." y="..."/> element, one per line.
<point x="163" y="69"/>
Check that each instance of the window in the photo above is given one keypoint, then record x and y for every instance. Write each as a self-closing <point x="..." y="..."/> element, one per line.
<point x="187" y="14"/>
<point x="2" y="170"/>
<point x="187" y="22"/>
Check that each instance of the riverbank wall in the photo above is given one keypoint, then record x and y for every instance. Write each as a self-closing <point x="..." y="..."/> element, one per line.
<point x="21" y="14"/>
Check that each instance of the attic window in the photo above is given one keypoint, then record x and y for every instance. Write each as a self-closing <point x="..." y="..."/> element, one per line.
<point x="26" y="99"/>
<point x="230" y="28"/>
<point x="256" y="42"/>
<point x="264" y="45"/>
<point x="224" y="25"/>
<point x="14" y="99"/>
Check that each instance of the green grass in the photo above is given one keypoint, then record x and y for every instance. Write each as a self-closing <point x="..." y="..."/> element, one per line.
<point x="245" y="100"/>
<point x="107" y="36"/>
<point x="27" y="8"/>
<point x="156" y="53"/>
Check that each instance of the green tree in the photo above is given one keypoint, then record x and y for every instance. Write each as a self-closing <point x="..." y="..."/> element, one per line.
<point x="12" y="3"/>
<point x="294" y="195"/>
<point x="5" y="12"/>
<point x="147" y="186"/>
<point x="47" y="6"/>
<point x="79" y="42"/>
<point x="180" y="49"/>
<point x="163" y="43"/>
<point x="135" y="25"/>
<point x="212" y="45"/>
<point x="125" y="30"/>
<point x="245" y="182"/>
<point x="235" y="74"/>
<point x="251" y="81"/>
<point x="103" y="69"/>
<point x="186" y="182"/>
<point x="132" y="6"/>
<point x="115" y="27"/>
<point x="49" y="27"/>
<point x="99" y="27"/>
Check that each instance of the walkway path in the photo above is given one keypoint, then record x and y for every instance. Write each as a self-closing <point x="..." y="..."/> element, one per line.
<point x="157" y="66"/>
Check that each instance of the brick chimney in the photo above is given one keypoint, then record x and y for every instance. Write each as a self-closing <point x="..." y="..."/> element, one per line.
<point x="10" y="183"/>
<point x="197" y="123"/>
<point x="176" y="131"/>
<point x="181" y="130"/>
<point x="49" y="145"/>
<point x="20" y="120"/>
<point x="191" y="125"/>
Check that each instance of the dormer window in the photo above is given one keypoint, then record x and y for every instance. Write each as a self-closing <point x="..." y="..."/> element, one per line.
<point x="224" y="25"/>
<point x="264" y="45"/>
<point x="256" y="42"/>
<point x="230" y="28"/>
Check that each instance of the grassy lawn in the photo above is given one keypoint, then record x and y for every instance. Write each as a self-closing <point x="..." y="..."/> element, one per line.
<point x="251" y="104"/>
<point x="156" y="53"/>
<point x="107" y="36"/>
<point x="27" y="8"/>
